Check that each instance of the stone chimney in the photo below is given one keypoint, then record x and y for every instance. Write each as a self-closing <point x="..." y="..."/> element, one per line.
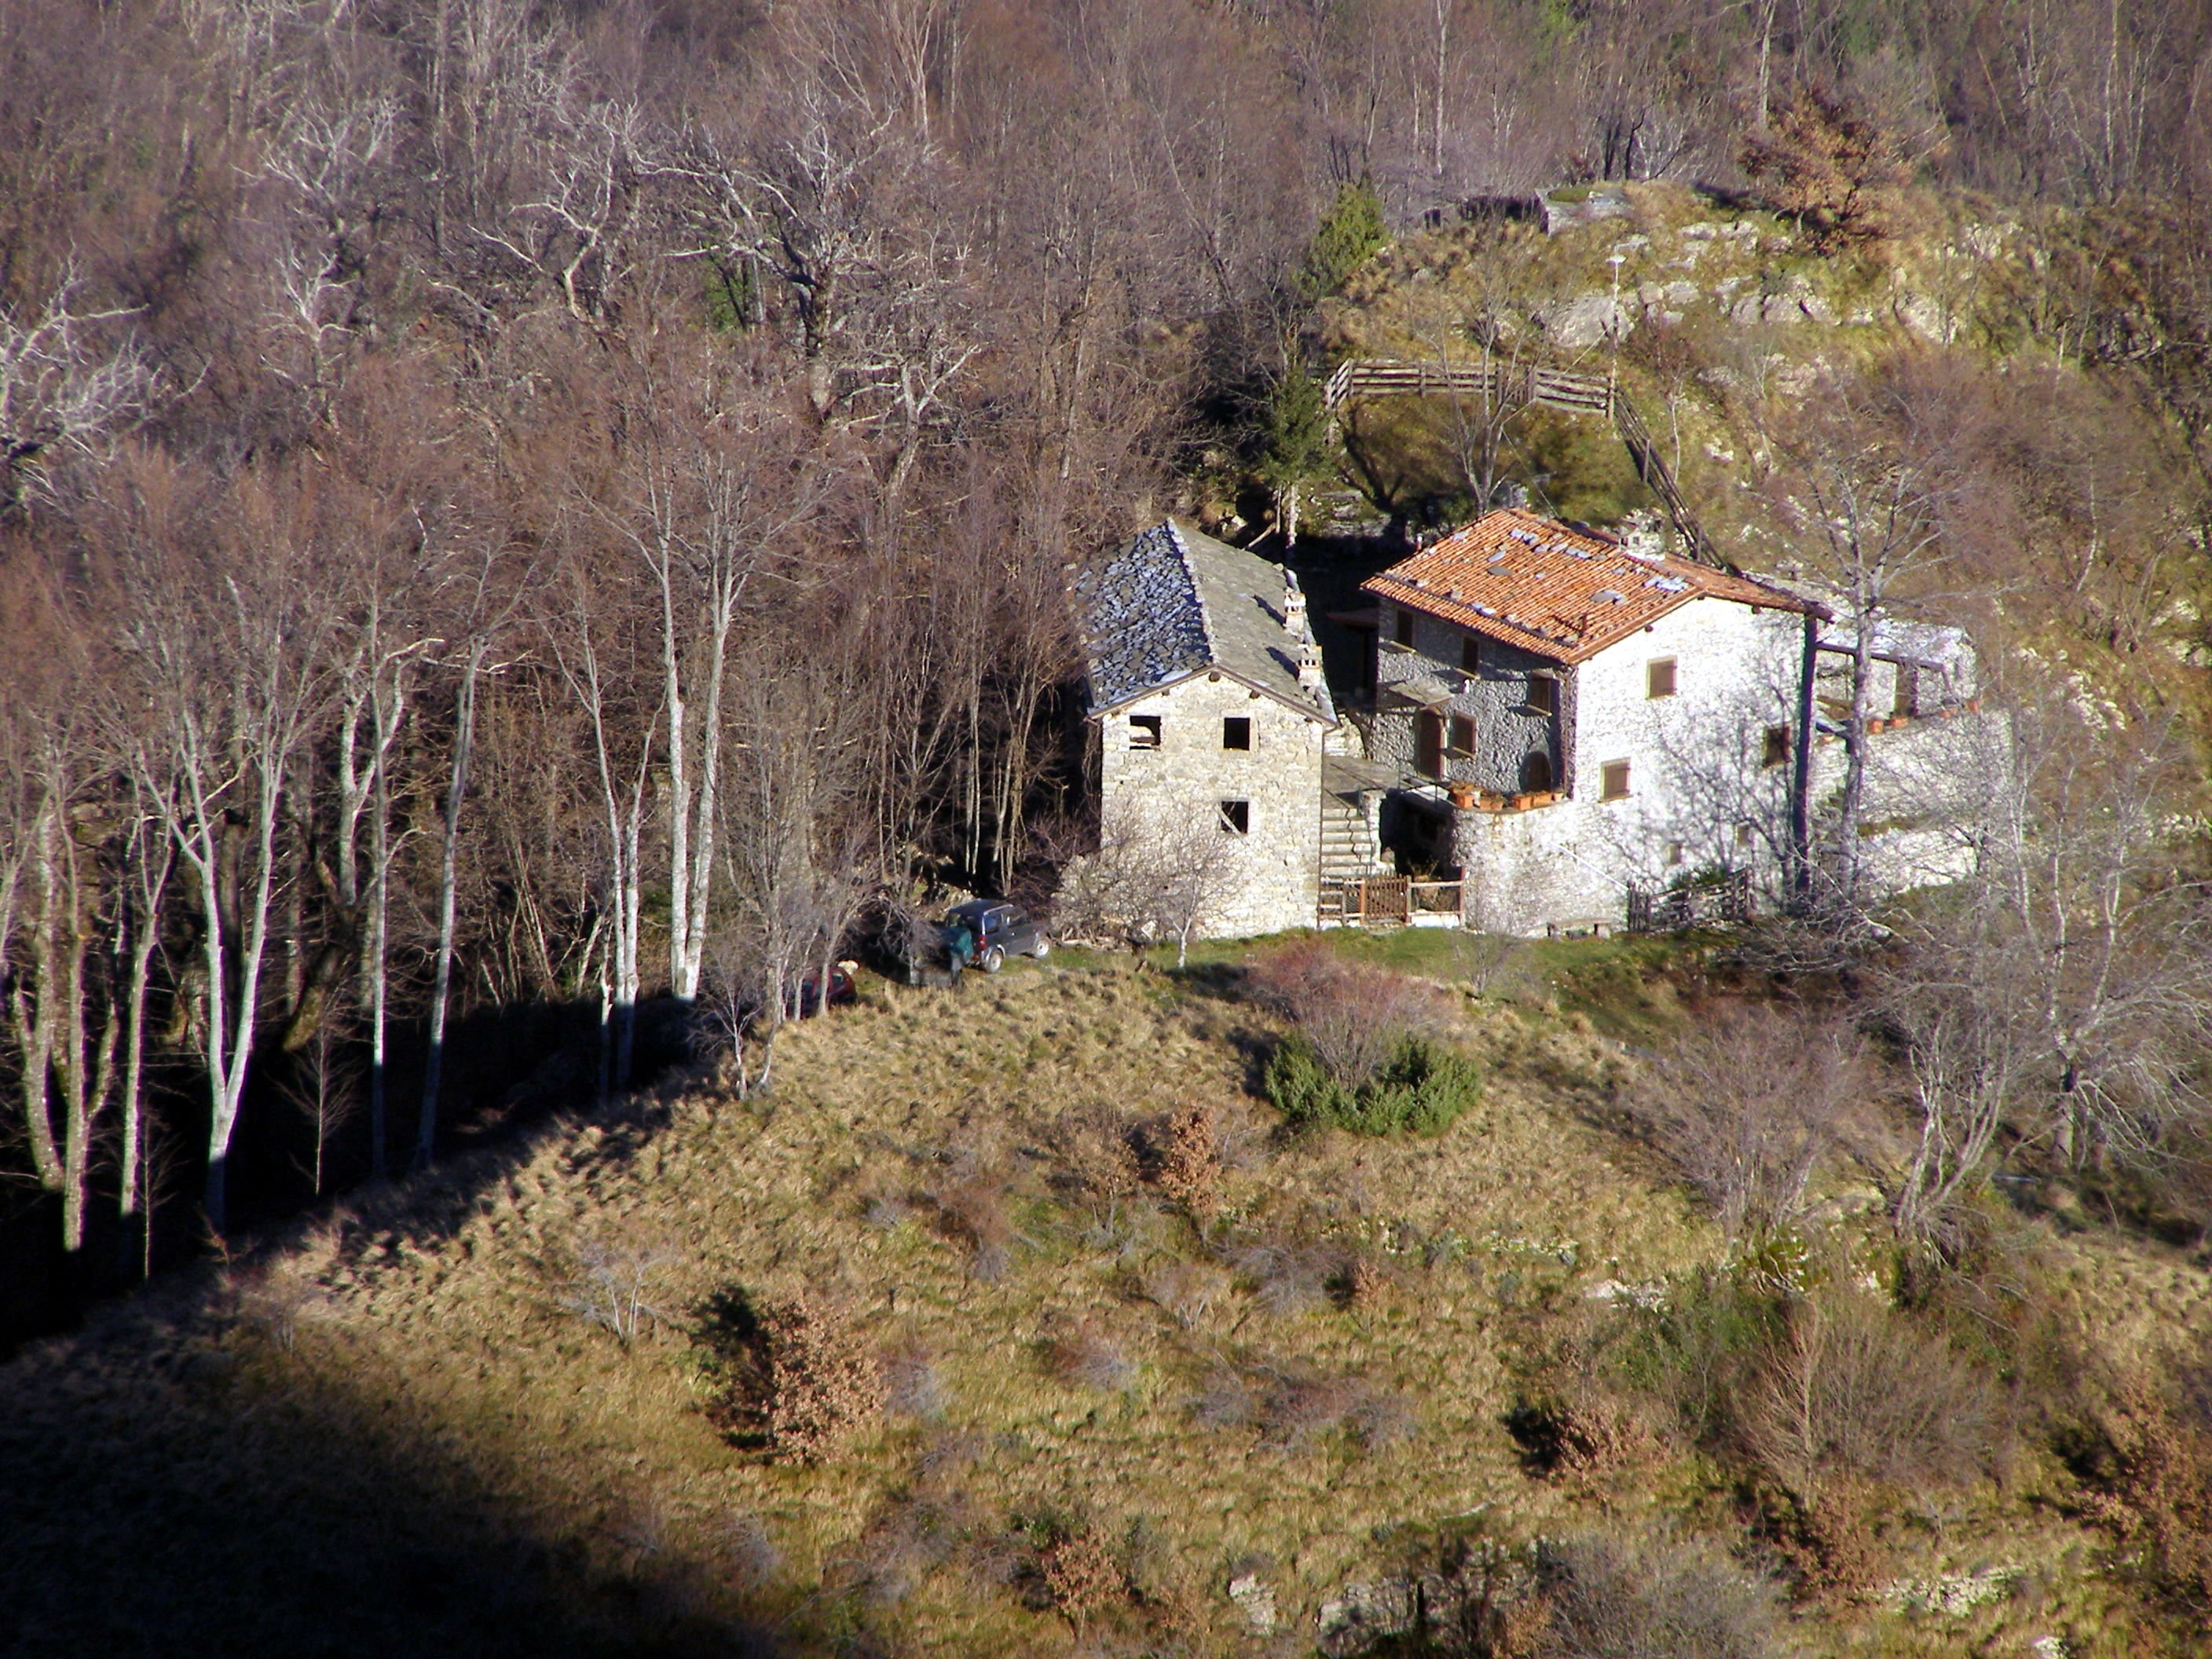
<point x="1309" y="664"/>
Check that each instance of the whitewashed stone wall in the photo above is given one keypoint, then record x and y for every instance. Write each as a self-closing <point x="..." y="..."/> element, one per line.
<point x="1274" y="877"/>
<point x="1698" y="772"/>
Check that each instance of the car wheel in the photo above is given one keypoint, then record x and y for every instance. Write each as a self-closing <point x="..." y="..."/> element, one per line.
<point x="1043" y="948"/>
<point x="992" y="959"/>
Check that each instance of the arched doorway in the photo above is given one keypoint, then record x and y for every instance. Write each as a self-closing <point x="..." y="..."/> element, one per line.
<point x="1535" y="772"/>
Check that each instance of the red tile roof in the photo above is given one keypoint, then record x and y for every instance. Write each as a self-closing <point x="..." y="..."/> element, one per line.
<point x="1561" y="592"/>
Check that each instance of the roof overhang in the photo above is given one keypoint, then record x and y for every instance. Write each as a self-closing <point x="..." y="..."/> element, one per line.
<point x="1211" y="672"/>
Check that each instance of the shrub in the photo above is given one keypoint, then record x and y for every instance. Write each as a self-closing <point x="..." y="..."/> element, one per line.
<point x="1700" y="1352"/>
<point x="1097" y="1152"/>
<point x="1605" y="1598"/>
<point x="1355" y="1019"/>
<point x="1287" y="1276"/>
<point x="611" y="1285"/>
<point x="1853" y="1391"/>
<point x="1293" y="1406"/>
<point x="972" y="1207"/>
<point x="1086" y="1358"/>
<point x="1422" y="1091"/>
<point x="1185" y="1292"/>
<point x="1190" y="1160"/>
<point x="1746" y="1108"/>
<point x="824" y="1384"/>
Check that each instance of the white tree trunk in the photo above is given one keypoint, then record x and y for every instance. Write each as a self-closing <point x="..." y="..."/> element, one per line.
<point x="426" y="1134"/>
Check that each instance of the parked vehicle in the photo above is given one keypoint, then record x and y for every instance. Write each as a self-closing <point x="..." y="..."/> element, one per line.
<point x="980" y="933"/>
<point x="842" y="991"/>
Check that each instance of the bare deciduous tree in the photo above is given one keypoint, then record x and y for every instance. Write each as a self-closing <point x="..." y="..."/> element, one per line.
<point x="1747" y="1107"/>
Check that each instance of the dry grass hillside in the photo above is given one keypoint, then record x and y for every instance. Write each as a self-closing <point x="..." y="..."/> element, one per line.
<point x="1106" y="1392"/>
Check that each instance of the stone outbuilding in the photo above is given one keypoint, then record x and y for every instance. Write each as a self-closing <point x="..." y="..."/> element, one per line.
<point x="1207" y="707"/>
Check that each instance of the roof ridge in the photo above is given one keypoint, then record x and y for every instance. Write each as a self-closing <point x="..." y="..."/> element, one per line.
<point x="1197" y="590"/>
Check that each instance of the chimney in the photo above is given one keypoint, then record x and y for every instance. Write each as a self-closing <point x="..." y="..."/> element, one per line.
<point x="1294" y="607"/>
<point x="1309" y="665"/>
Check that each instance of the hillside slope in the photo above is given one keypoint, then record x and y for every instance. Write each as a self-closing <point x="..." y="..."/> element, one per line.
<point x="396" y="1432"/>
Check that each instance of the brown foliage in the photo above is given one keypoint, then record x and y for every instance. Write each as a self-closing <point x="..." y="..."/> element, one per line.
<point x="1833" y="167"/>
<point x="825" y="1384"/>
<point x="1190" y="1160"/>
<point x="1082" y="1576"/>
<point x="1356" y="1017"/>
<point x="2156" y="1495"/>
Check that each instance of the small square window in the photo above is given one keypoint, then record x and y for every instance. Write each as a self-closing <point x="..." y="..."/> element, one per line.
<point x="1776" y="751"/>
<point x="1470" y="654"/>
<point x="1744" y="835"/>
<point x="1543" y="694"/>
<point x="1462" y="735"/>
<point x="1236" y="732"/>
<point x="1612" y="781"/>
<point x="1674" y="852"/>
<point x="1143" y="731"/>
<point x="1659" y="677"/>
<point x="1236" y="817"/>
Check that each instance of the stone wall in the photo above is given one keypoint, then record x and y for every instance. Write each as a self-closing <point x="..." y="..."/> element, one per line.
<point x="1274" y="881"/>
<point x="1701" y="790"/>
<point x="1495" y="696"/>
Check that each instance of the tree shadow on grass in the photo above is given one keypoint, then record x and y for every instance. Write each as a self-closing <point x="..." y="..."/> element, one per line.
<point x="177" y="1482"/>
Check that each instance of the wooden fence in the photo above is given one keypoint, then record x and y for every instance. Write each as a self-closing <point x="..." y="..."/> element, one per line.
<point x="1389" y="900"/>
<point x="1528" y="383"/>
<point x="1706" y="904"/>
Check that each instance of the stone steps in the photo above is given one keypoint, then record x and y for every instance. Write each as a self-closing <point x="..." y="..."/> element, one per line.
<point x="1348" y="845"/>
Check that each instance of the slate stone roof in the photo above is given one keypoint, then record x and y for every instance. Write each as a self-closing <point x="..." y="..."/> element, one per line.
<point x="1173" y="603"/>
<point x="1549" y="588"/>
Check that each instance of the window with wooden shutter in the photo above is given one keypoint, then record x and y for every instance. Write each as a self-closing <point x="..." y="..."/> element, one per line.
<point x="1543" y="694"/>
<point x="1612" y="781"/>
<point x="1659" y="677"/>
<point x="1462" y="735"/>
<point x="1429" y="743"/>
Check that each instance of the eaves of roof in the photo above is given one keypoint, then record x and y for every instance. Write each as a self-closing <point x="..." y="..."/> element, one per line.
<point x="1214" y="671"/>
<point x="1555" y="590"/>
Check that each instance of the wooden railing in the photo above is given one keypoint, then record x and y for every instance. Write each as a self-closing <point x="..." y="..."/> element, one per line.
<point x="1524" y="383"/>
<point x="1389" y="900"/>
<point x="1703" y="904"/>
<point x="1518" y="383"/>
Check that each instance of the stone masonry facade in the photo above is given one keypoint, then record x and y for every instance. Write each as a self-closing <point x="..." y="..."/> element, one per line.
<point x="1273" y="880"/>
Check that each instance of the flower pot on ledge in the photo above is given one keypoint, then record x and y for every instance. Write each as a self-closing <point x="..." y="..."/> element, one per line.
<point x="1462" y="796"/>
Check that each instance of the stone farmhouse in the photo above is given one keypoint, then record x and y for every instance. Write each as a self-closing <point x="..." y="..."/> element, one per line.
<point x="1555" y="725"/>
<point x="1207" y="706"/>
<point x="1594" y="715"/>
